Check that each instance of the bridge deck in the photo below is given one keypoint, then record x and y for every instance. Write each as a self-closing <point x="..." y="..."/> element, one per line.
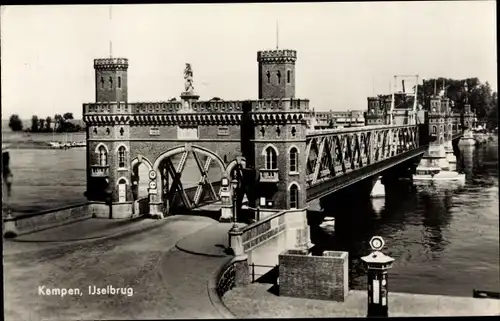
<point x="342" y="181"/>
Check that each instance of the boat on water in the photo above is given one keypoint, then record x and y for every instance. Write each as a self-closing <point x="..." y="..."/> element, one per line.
<point x="437" y="174"/>
<point x="79" y="144"/>
<point x="54" y="144"/>
<point x="328" y="224"/>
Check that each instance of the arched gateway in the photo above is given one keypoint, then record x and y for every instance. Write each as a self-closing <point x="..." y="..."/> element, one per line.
<point x="139" y="154"/>
<point x="198" y="188"/>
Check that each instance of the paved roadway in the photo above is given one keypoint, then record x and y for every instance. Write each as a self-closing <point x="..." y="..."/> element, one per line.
<point x="167" y="283"/>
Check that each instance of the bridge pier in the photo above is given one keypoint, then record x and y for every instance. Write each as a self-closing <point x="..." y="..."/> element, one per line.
<point x="298" y="234"/>
<point x="435" y="156"/>
<point x="378" y="189"/>
<point x="450" y="156"/>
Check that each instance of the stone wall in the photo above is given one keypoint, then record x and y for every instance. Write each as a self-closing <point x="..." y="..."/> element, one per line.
<point x="234" y="273"/>
<point x="46" y="219"/>
<point x="314" y="277"/>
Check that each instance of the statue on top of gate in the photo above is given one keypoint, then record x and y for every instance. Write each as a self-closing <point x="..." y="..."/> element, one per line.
<point x="188" y="77"/>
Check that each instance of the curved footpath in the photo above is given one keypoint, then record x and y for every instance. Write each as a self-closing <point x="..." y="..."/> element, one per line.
<point x="153" y="258"/>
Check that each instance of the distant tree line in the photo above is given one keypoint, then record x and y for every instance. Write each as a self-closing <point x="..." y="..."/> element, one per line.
<point x="481" y="98"/>
<point x="59" y="124"/>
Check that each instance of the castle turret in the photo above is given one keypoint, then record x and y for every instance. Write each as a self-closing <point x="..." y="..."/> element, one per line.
<point x="111" y="79"/>
<point x="276" y="73"/>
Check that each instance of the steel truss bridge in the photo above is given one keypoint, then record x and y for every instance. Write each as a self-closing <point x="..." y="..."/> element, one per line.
<point x="337" y="158"/>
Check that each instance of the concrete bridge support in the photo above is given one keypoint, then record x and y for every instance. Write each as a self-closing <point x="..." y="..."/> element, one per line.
<point x="450" y="155"/>
<point x="378" y="190"/>
<point x="435" y="157"/>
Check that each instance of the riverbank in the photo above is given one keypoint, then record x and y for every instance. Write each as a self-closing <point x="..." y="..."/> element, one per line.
<point x="22" y="140"/>
<point x="259" y="300"/>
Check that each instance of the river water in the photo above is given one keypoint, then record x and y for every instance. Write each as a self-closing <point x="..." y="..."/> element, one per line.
<point x="444" y="239"/>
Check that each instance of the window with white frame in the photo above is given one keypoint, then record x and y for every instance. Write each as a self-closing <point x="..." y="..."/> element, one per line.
<point x="294" y="158"/>
<point x="271" y="158"/>
<point x="294" y="196"/>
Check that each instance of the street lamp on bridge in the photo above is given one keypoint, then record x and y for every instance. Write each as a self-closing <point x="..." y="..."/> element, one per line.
<point x="235" y="185"/>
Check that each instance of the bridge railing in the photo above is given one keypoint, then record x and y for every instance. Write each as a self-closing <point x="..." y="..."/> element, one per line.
<point x="329" y="131"/>
<point x="338" y="157"/>
<point x="259" y="232"/>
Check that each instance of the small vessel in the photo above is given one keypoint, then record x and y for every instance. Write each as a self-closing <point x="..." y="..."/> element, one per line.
<point x="54" y="144"/>
<point x="328" y="224"/>
<point x="436" y="174"/>
<point x="79" y="144"/>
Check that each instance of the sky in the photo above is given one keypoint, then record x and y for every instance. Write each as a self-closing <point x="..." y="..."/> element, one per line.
<point x="345" y="51"/>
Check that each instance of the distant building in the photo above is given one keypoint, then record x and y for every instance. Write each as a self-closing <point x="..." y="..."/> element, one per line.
<point x="338" y="119"/>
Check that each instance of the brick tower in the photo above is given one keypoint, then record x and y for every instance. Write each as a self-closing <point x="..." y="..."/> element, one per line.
<point x="436" y="154"/>
<point x="276" y="73"/>
<point x="111" y="79"/>
<point x="108" y="138"/>
<point x="280" y="139"/>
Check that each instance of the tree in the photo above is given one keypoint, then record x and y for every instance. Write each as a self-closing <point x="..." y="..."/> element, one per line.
<point x="48" y="122"/>
<point x="41" y="127"/>
<point x="493" y="113"/>
<point x="59" y="121"/>
<point x="34" y="123"/>
<point x="67" y="116"/>
<point x="482" y="100"/>
<point x="15" y="123"/>
<point x="476" y="93"/>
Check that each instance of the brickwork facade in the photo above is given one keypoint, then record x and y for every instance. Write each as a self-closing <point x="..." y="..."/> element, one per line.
<point x="121" y="135"/>
<point x="314" y="277"/>
<point x="276" y="73"/>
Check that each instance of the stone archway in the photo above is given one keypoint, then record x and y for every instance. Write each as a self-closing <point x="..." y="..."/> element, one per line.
<point x="141" y="167"/>
<point x="231" y="167"/>
<point x="193" y="159"/>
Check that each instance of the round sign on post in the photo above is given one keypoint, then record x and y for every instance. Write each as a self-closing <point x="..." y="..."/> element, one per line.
<point x="377" y="243"/>
<point x="152" y="185"/>
<point x="152" y="174"/>
<point x="378" y="264"/>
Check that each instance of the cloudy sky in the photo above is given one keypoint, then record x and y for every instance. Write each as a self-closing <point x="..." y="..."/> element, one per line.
<point x="346" y="51"/>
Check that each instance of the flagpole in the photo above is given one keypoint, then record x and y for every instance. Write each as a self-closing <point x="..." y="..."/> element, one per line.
<point x="110" y="31"/>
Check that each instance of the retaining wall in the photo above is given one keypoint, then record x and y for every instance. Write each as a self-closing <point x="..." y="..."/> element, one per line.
<point x="232" y="274"/>
<point x="29" y="223"/>
<point x="314" y="277"/>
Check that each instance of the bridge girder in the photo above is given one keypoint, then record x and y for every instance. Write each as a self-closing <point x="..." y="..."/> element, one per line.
<point x="332" y="154"/>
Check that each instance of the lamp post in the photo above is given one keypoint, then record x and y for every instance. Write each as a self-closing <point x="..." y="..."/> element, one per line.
<point x="378" y="264"/>
<point x="109" y="197"/>
<point x="235" y="187"/>
<point x="8" y="182"/>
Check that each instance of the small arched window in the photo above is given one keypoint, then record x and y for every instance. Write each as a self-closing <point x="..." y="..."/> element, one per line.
<point x="441" y="140"/>
<point x="294" y="196"/>
<point x="279" y="76"/>
<point x="102" y="82"/>
<point x="110" y="82"/>
<point x="434" y="129"/>
<point x="119" y="82"/>
<point x="268" y="74"/>
<point x="271" y="158"/>
<point x="294" y="160"/>
<point x="121" y="157"/>
<point x="288" y="76"/>
<point x="103" y="156"/>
